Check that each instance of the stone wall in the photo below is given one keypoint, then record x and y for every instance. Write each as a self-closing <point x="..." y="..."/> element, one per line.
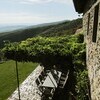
<point x="93" y="52"/>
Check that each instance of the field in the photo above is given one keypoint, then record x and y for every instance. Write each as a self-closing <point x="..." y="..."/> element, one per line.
<point x="8" y="82"/>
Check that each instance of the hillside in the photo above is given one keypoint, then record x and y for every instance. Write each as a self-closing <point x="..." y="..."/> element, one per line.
<point x="8" y="28"/>
<point x="52" y="29"/>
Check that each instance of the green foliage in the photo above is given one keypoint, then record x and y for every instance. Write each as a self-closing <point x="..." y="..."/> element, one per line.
<point x="1" y="56"/>
<point x="82" y="85"/>
<point x="48" y="51"/>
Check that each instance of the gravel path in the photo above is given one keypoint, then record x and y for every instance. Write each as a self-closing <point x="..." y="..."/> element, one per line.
<point x="29" y="89"/>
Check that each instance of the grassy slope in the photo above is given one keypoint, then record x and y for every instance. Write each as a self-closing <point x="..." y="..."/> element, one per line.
<point x="8" y="76"/>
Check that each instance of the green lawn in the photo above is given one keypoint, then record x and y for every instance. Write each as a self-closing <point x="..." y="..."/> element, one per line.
<point x="8" y="81"/>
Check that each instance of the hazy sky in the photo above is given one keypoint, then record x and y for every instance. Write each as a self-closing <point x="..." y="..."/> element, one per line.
<point x="35" y="11"/>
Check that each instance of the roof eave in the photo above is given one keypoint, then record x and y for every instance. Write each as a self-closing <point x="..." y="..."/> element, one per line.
<point x="79" y="5"/>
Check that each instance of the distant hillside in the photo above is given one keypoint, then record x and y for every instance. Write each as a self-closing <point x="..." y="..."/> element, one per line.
<point x="64" y="28"/>
<point x="7" y="28"/>
<point x="49" y="29"/>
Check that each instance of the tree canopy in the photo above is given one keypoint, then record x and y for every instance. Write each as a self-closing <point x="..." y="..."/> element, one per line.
<point x="50" y="51"/>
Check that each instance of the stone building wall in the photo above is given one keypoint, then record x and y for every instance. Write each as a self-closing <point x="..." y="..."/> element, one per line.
<point x="93" y="50"/>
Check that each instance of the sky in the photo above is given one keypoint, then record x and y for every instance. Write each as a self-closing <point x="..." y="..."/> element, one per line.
<point x="30" y="12"/>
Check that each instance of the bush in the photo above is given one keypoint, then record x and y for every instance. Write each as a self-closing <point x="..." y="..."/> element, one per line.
<point x="82" y="85"/>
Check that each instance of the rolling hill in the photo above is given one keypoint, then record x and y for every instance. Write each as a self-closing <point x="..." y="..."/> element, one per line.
<point x="61" y="28"/>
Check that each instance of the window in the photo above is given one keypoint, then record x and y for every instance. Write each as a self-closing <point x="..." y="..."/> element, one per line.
<point x="88" y="23"/>
<point x="95" y="23"/>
